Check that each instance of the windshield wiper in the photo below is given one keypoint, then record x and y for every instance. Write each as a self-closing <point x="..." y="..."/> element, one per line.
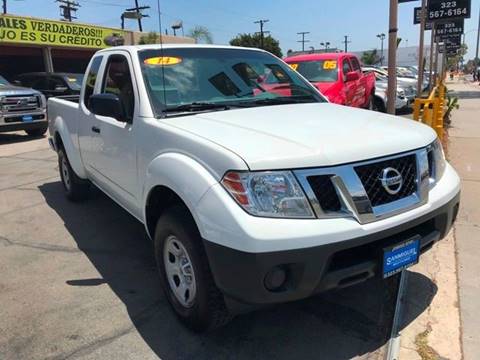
<point x="197" y="106"/>
<point x="281" y="101"/>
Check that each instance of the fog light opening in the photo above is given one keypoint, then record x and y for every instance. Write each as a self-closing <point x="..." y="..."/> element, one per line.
<point x="276" y="278"/>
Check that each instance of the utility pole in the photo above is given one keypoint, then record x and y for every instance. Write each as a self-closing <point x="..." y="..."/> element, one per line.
<point x="303" y="41"/>
<point x="262" y="33"/>
<point x="138" y="9"/>
<point x="477" y="61"/>
<point x="423" y="16"/>
<point x="346" y="42"/>
<point x="432" y="44"/>
<point x="67" y="9"/>
<point x="4" y="6"/>
<point x="392" y="56"/>
<point x="382" y="38"/>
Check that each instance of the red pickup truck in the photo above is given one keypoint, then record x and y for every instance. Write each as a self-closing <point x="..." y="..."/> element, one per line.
<point x="338" y="76"/>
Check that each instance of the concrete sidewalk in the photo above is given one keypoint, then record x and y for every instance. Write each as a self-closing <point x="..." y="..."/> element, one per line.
<point x="464" y="154"/>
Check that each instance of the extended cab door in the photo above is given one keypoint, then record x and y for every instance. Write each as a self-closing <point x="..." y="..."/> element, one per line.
<point x="359" y="96"/>
<point x="349" y="86"/>
<point x="113" y="160"/>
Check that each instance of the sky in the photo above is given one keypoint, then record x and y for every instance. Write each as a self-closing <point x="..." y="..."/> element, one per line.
<point x="325" y="20"/>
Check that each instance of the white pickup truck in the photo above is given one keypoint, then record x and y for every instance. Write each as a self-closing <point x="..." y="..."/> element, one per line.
<point x="254" y="189"/>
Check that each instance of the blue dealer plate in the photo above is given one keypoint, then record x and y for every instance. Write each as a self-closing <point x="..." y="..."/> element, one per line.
<point x="27" y="118"/>
<point x="401" y="256"/>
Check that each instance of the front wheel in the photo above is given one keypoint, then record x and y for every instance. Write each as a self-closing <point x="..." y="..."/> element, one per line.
<point x="185" y="274"/>
<point x="37" y="132"/>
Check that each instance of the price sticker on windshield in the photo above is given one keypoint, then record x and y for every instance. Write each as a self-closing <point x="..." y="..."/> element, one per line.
<point x="163" y="61"/>
<point x="330" y="65"/>
<point x="294" y="66"/>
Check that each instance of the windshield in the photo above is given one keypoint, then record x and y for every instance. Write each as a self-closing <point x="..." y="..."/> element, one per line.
<point x="318" y="71"/>
<point x="201" y="77"/>
<point x="3" y="81"/>
<point x="74" y="81"/>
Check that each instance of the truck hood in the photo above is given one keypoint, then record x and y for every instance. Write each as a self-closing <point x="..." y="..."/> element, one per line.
<point x="306" y="135"/>
<point x="8" y="90"/>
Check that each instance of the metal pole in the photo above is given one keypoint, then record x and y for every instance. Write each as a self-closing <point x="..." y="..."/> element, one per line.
<point x="392" y="56"/>
<point x="381" y="52"/>
<point x="4" y="6"/>
<point x="420" y="51"/>
<point x="437" y="52"/>
<point x="432" y="44"/>
<point x="478" y="41"/>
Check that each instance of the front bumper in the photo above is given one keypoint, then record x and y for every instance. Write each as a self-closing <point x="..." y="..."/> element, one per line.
<point x="241" y="275"/>
<point x="319" y="254"/>
<point x="14" y="122"/>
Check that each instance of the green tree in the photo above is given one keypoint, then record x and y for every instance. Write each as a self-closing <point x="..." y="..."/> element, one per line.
<point x="370" y="57"/>
<point x="151" y="38"/>
<point x="270" y="44"/>
<point x="201" y="34"/>
<point x="453" y="61"/>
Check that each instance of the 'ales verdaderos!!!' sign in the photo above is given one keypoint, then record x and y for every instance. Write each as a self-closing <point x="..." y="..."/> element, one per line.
<point x="445" y="9"/>
<point x="22" y="30"/>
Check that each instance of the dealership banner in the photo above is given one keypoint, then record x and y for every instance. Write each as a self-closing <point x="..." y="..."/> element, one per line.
<point x="23" y="30"/>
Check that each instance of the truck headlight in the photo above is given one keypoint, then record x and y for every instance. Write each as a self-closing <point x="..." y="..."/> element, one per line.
<point x="400" y="93"/>
<point x="436" y="160"/>
<point x="274" y="194"/>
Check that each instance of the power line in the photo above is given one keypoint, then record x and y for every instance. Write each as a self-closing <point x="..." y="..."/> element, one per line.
<point x="303" y="41"/>
<point x="68" y="9"/>
<point x="262" y="33"/>
<point x="346" y="42"/>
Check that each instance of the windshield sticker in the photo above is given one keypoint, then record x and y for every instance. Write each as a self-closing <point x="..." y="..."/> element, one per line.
<point x="330" y="65"/>
<point x="72" y="79"/>
<point x="163" y="61"/>
<point x="294" y="66"/>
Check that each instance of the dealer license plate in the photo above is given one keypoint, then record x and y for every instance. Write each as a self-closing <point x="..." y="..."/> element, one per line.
<point x="27" y="118"/>
<point x="401" y="256"/>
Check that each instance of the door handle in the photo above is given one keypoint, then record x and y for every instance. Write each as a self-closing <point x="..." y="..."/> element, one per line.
<point x="96" y="129"/>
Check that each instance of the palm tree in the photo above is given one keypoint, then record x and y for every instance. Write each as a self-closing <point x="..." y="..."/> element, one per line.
<point x="201" y="34"/>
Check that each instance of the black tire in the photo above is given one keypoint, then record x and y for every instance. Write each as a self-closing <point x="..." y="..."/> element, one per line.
<point x="378" y="105"/>
<point x="371" y="104"/>
<point x="37" y="132"/>
<point x="76" y="188"/>
<point x="208" y="310"/>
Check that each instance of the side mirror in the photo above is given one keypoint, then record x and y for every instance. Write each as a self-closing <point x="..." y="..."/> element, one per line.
<point x="352" y="76"/>
<point x="108" y="105"/>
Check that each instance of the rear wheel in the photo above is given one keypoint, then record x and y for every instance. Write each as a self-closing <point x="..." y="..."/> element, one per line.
<point x="378" y="105"/>
<point x="37" y="132"/>
<point x="185" y="274"/>
<point x="76" y="188"/>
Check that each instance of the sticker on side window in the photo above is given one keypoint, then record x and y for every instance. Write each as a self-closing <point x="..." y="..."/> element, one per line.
<point x="294" y="66"/>
<point x="163" y="61"/>
<point x="330" y="65"/>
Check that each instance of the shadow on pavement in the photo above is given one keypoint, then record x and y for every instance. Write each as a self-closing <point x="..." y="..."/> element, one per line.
<point x="338" y="325"/>
<point x="16" y="137"/>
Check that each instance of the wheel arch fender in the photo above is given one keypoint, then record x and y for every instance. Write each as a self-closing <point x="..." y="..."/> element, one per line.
<point x="68" y="140"/>
<point x="176" y="176"/>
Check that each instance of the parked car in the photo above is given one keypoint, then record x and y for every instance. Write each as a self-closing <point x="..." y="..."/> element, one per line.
<point x="250" y="197"/>
<point x="22" y="109"/>
<point x="338" y="76"/>
<point x="52" y="84"/>
<point x="405" y="94"/>
<point x="407" y="77"/>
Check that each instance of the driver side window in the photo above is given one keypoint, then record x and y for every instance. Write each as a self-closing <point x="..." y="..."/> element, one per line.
<point x="118" y="81"/>
<point x="346" y="68"/>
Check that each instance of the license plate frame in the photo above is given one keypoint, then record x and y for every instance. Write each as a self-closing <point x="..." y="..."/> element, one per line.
<point x="401" y="256"/>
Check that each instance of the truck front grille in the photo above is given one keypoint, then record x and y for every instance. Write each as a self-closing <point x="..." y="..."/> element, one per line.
<point x="19" y="103"/>
<point x="371" y="174"/>
<point x="325" y="192"/>
<point x="369" y="190"/>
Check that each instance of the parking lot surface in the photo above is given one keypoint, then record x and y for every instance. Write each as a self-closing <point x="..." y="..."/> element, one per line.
<point x="79" y="281"/>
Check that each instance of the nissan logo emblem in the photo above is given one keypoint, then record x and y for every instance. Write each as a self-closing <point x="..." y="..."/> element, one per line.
<point x="392" y="180"/>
